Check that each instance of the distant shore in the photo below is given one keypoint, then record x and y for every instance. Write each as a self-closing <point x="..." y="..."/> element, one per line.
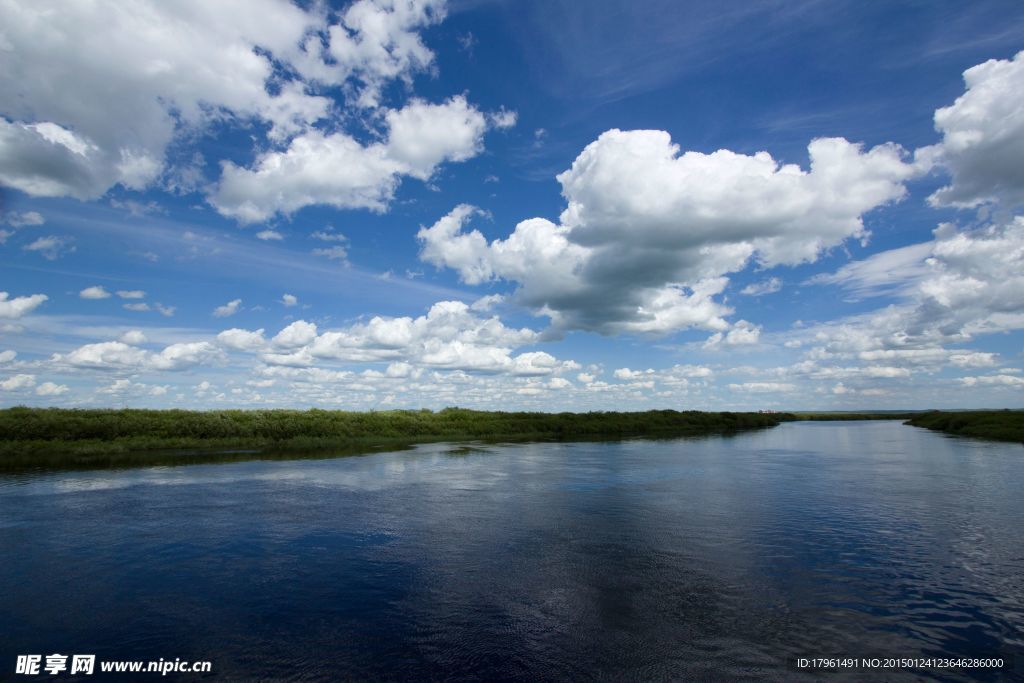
<point x="995" y="425"/>
<point x="55" y="438"/>
<point x="52" y="438"/>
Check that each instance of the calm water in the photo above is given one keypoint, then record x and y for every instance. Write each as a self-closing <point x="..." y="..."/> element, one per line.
<point x="712" y="558"/>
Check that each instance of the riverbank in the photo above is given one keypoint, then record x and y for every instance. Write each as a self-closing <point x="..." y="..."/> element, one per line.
<point x="996" y="425"/>
<point x="43" y="438"/>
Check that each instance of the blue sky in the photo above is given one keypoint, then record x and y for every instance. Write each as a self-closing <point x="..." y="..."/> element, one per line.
<point x="522" y="205"/>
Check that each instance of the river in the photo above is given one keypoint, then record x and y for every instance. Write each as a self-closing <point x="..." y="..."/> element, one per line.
<point x="721" y="558"/>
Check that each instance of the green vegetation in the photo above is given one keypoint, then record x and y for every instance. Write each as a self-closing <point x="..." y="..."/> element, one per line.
<point x="998" y="425"/>
<point x="35" y="438"/>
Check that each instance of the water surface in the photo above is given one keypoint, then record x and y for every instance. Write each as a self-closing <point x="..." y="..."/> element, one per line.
<point x="713" y="558"/>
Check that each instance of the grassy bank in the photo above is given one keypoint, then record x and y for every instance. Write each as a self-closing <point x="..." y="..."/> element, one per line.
<point x="34" y="438"/>
<point x="998" y="425"/>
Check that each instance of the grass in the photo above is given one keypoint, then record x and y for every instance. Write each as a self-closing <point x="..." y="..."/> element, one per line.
<point x="53" y="438"/>
<point x="997" y="425"/>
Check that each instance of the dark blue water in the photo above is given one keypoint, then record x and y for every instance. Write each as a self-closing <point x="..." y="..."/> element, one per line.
<point x="714" y="558"/>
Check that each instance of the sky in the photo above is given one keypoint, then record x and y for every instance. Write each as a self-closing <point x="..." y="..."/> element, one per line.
<point x="512" y="204"/>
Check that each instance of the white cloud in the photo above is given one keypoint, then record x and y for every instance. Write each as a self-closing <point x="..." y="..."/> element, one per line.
<point x="316" y="168"/>
<point x="7" y="356"/>
<point x="983" y="137"/>
<point x="106" y="355"/>
<point x="228" y="309"/>
<point x="486" y="303"/>
<point x="20" y="305"/>
<point x="242" y="340"/>
<point x="51" y="247"/>
<point x="769" y="286"/>
<point x="422" y="135"/>
<point x="267" y="235"/>
<point x="289" y="300"/>
<point x="119" y="356"/>
<point x="59" y="138"/>
<point x="743" y="333"/>
<point x="134" y="337"/>
<point x="995" y="380"/>
<point x="335" y="253"/>
<point x="976" y="284"/>
<point x="74" y="143"/>
<point x="325" y="236"/>
<point x="337" y="170"/>
<point x="25" y="218"/>
<point x="51" y="389"/>
<point x="649" y="234"/>
<point x="971" y="284"/>
<point x="185" y="355"/>
<point x="626" y="373"/>
<point x="503" y="118"/>
<point x="139" y="307"/>
<point x="764" y="387"/>
<point x="297" y="334"/>
<point x="96" y="292"/>
<point x="973" y="359"/>
<point x="18" y="382"/>
<point x="131" y="294"/>
<point x="639" y="181"/>
<point x="166" y="311"/>
<point x="450" y="336"/>
<point x="378" y="41"/>
<point x="886" y="272"/>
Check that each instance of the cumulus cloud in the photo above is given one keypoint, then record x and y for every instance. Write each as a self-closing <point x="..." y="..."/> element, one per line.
<point x="269" y="235"/>
<point x="649" y="234"/>
<point x="983" y="137"/>
<point x="18" y="383"/>
<point x="242" y="340"/>
<point x="20" y="305"/>
<point x="57" y="138"/>
<point x="971" y="283"/>
<point x="184" y="355"/>
<point x="337" y="170"/>
<point x="297" y="334"/>
<point x="95" y="292"/>
<point x="421" y="135"/>
<point x="994" y="380"/>
<point x="119" y="356"/>
<point x="134" y="337"/>
<point x="743" y="333"/>
<point x="131" y="294"/>
<point x="289" y="300"/>
<point x="51" y="389"/>
<point x="106" y="355"/>
<point x="504" y="118"/>
<point x="450" y="336"/>
<point x="316" y="168"/>
<point x="228" y="309"/>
